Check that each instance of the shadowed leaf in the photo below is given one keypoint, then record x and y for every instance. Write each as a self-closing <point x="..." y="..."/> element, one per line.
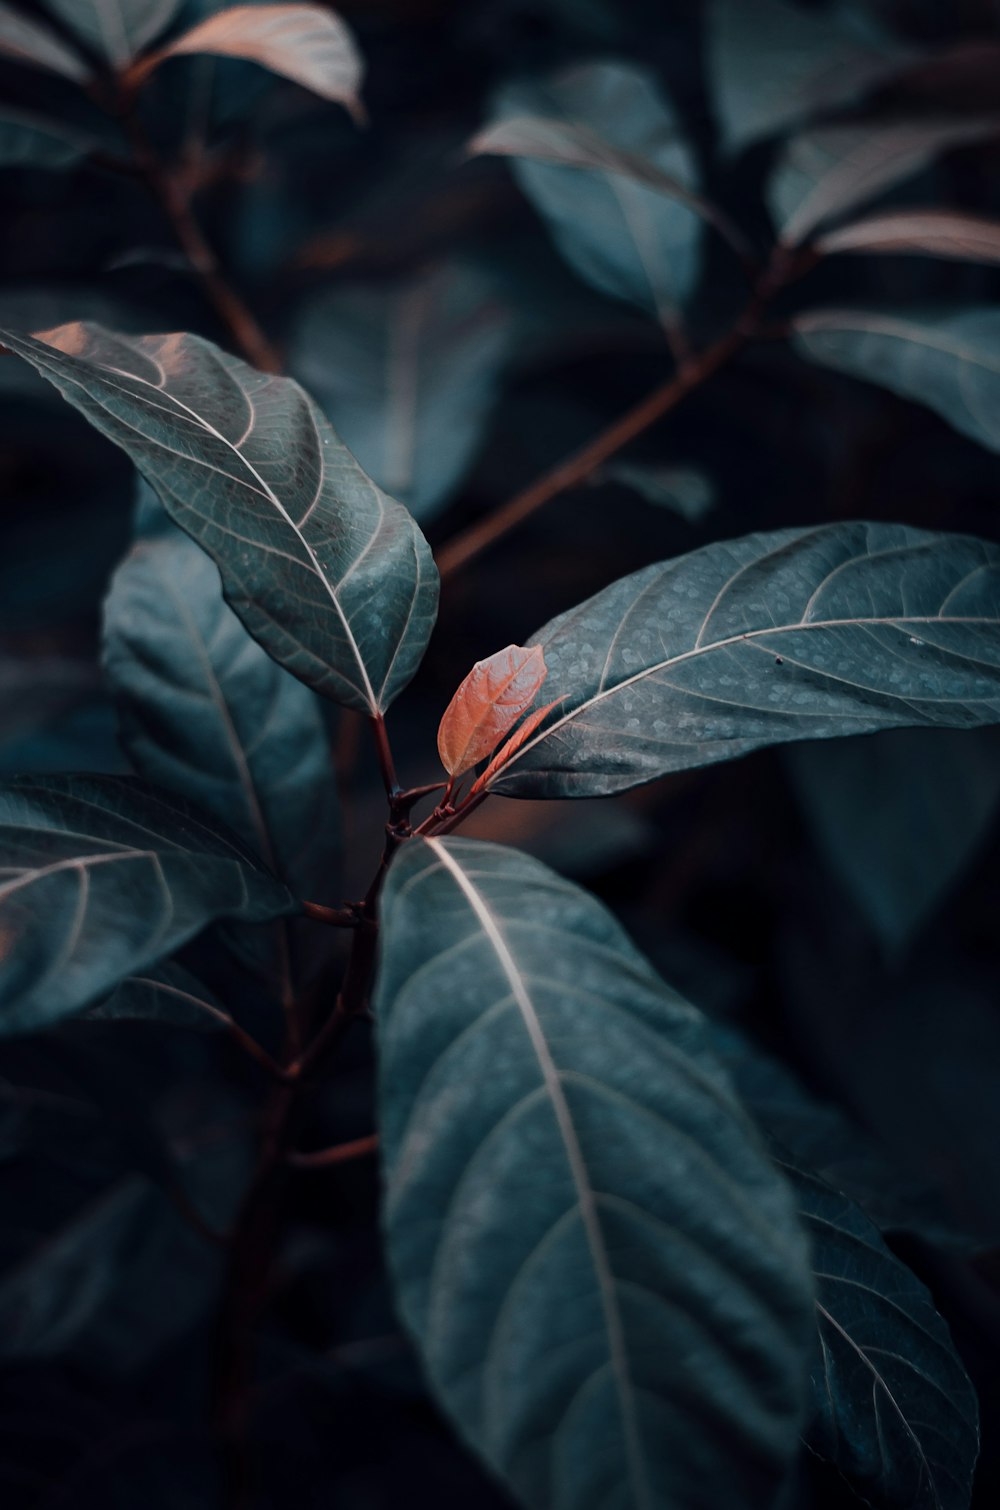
<point x="795" y="634"/>
<point x="601" y="1271"/>
<point x="305" y="43"/>
<point x="597" y="151"/>
<point x="949" y="361"/>
<point x="826" y="173"/>
<point x="330" y="575"/>
<point x="101" y="876"/>
<point x="31" y="141"/>
<point x="32" y="43"/>
<point x="928" y="233"/>
<point x="892" y="1405"/>
<point x="168" y="994"/>
<point x="487" y="705"/>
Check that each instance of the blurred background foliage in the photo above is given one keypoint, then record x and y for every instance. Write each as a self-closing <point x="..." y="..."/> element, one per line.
<point x="838" y="903"/>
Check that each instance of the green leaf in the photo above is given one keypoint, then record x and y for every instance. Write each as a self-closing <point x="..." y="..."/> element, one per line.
<point x="822" y="175"/>
<point x="893" y="1407"/>
<point x="101" y="876"/>
<point x="330" y="575"/>
<point x="683" y="490"/>
<point x="305" y="43"/>
<point x="167" y="994"/>
<point x="928" y="233"/>
<point x="821" y="1136"/>
<point x="791" y="634"/>
<point x="30" y="42"/>
<point x="949" y="361"/>
<point x="31" y="141"/>
<point x="116" y="29"/>
<point x="900" y="817"/>
<point x="408" y="373"/>
<point x="600" y="1269"/>
<point x="598" y="152"/>
<point x="772" y="63"/>
<point x="206" y="713"/>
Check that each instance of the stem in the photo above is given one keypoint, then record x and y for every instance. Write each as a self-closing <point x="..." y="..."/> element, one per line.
<point x="175" y="201"/>
<point x="385" y="761"/>
<point x="334" y="917"/>
<point x="459" y="551"/>
<point x="341" y="1153"/>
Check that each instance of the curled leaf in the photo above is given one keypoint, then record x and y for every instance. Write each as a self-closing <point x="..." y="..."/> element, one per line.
<point x="487" y="705"/>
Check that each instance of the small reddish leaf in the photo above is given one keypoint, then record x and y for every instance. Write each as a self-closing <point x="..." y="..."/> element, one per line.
<point x="513" y="744"/>
<point x="488" y="704"/>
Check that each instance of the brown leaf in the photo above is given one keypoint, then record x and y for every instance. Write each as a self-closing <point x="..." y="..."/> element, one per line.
<point x="305" y="43"/>
<point x="488" y="704"/>
<point x="513" y="744"/>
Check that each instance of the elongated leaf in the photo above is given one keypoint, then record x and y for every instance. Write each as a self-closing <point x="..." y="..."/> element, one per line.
<point x="900" y="817"/>
<point x="597" y="151"/>
<point x="598" y="1265"/>
<point x="305" y="43"/>
<point x="328" y="573"/>
<point x="101" y="877"/>
<point x="927" y="233"/>
<point x="792" y="634"/>
<point x="487" y="705"/>
<point x="949" y="361"/>
<point x="31" y="141"/>
<point x="32" y="43"/>
<point x="168" y="994"/>
<point x="680" y="489"/>
<point x="408" y="373"/>
<point x="772" y="63"/>
<point x="117" y="29"/>
<point x="892" y="1405"/>
<point x="826" y="173"/>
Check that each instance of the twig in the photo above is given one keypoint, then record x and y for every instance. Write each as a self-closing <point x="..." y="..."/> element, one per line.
<point x="334" y="917"/>
<point x="340" y="1153"/>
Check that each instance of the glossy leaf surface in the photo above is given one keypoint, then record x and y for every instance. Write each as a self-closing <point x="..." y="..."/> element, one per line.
<point x="949" y="361"/>
<point x="117" y="29"/>
<point x="772" y="62"/>
<point x="30" y="42"/>
<point x="408" y="374"/>
<point x="305" y="43"/>
<point x="330" y="575"/>
<point x="893" y="1407"/>
<point x="601" y="1271"/>
<point x="102" y="876"/>
<point x="628" y="238"/>
<point x="824" y="174"/>
<point x="792" y="634"/>
<point x="487" y="705"/>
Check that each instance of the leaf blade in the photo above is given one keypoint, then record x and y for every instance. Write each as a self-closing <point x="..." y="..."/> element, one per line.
<point x="487" y="705"/>
<point x="30" y="42"/>
<point x="117" y="29"/>
<point x="762" y="640"/>
<point x="489" y="959"/>
<point x="931" y="233"/>
<point x="328" y="573"/>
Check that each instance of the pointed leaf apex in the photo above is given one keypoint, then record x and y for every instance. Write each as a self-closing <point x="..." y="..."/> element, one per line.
<point x="487" y="705"/>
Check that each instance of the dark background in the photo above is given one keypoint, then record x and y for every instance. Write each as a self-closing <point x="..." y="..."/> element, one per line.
<point x="878" y="989"/>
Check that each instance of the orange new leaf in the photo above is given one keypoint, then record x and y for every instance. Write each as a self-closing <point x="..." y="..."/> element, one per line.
<point x="487" y="705"/>
<point x="513" y="744"/>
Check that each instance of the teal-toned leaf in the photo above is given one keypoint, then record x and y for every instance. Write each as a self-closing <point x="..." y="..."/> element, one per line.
<point x="168" y="994"/>
<point x="928" y="233"/>
<point x="899" y="817"/>
<point x="681" y="489"/>
<point x="598" y="152"/>
<point x="55" y="1289"/>
<point x="31" y="141"/>
<point x="207" y="713"/>
<point x="30" y="42"/>
<point x="305" y="43"/>
<point x="408" y="374"/>
<point x="822" y="1137"/>
<point x="772" y="63"/>
<point x="116" y="30"/>
<point x="101" y="877"/>
<point x="601" y="1272"/>
<point x="826" y="173"/>
<point x="792" y="634"/>
<point x="330" y="575"/>
<point x="893" y="1407"/>
<point x="948" y="360"/>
